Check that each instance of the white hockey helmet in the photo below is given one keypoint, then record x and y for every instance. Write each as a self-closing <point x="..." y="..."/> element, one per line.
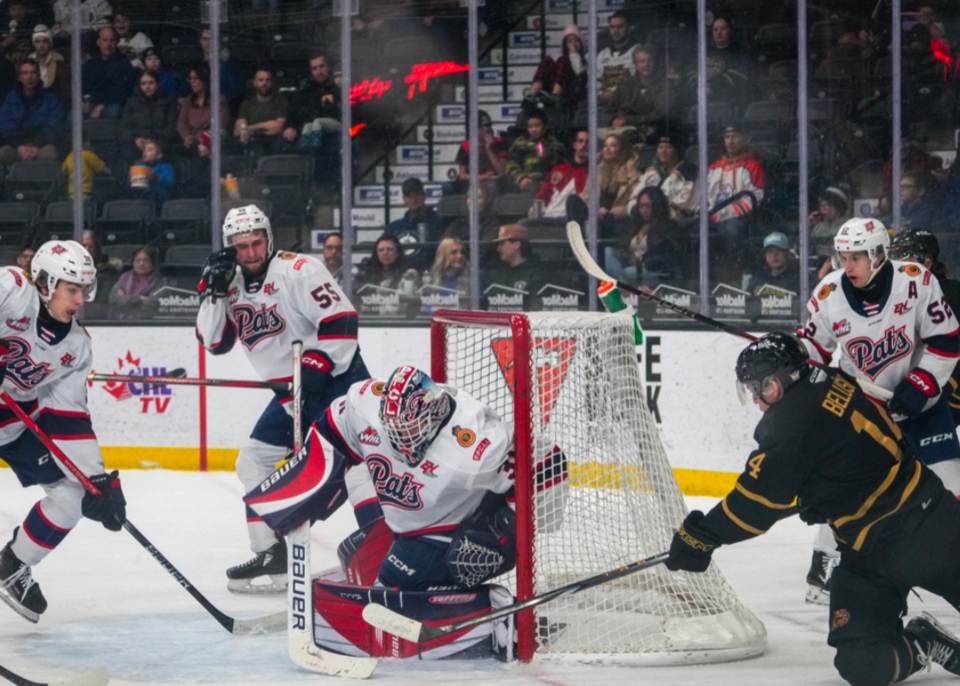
<point x="864" y="235"/>
<point x="243" y="220"/>
<point x="68" y="261"/>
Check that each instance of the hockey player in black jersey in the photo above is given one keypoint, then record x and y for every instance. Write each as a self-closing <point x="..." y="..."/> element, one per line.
<point x="823" y="443"/>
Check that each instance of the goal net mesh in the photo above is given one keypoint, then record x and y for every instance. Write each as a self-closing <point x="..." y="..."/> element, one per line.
<point x="612" y="500"/>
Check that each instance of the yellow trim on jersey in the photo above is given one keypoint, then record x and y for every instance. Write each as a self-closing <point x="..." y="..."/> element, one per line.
<point x="903" y="498"/>
<point x="739" y="522"/>
<point x="868" y="503"/>
<point x="892" y="424"/>
<point x="760" y="499"/>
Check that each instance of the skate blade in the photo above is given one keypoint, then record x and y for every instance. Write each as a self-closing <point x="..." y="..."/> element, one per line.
<point x="817" y="596"/>
<point x="24" y="612"/>
<point x="277" y="584"/>
<point x="938" y="626"/>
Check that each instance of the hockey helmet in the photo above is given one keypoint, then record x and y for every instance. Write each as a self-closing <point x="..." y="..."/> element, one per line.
<point x="775" y="356"/>
<point x="68" y="261"/>
<point x="915" y="244"/>
<point x="413" y="410"/>
<point x="246" y="219"/>
<point x="864" y="235"/>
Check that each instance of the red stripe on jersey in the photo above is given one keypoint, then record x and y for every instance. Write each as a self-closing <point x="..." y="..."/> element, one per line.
<point x="366" y="502"/>
<point x="431" y="530"/>
<point x="336" y="429"/>
<point x="824" y="355"/>
<point x="73" y="437"/>
<point x="65" y="413"/>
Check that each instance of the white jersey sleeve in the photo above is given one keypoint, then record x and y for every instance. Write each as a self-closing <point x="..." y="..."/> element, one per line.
<point x="216" y="330"/>
<point x="938" y="331"/>
<point x="816" y="334"/>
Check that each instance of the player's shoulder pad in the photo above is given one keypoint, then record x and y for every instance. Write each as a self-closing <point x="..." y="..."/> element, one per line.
<point x="474" y="432"/>
<point x="828" y="286"/>
<point x="295" y="265"/>
<point x="16" y="278"/>
<point x="364" y="397"/>
<point x="914" y="271"/>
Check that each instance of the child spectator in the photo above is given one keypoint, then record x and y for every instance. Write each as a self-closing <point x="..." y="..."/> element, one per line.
<point x="533" y="154"/>
<point x="91" y="165"/>
<point x="151" y="176"/>
<point x="780" y="269"/>
<point x="172" y="84"/>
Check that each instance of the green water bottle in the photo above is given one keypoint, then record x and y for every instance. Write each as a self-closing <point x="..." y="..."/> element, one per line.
<point x="613" y="301"/>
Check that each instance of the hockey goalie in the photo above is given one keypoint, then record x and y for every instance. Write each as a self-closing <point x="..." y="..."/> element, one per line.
<point x="429" y="471"/>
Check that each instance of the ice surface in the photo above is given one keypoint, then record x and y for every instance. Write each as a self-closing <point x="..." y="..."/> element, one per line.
<point x="111" y="604"/>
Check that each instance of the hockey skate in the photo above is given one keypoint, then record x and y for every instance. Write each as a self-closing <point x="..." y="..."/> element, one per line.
<point x="934" y="643"/>
<point x="17" y="587"/>
<point x="268" y="568"/>
<point x="818" y="578"/>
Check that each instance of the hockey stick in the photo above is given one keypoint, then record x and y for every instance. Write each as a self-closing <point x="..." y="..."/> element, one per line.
<point x="95" y="677"/>
<point x="272" y="622"/>
<point x="303" y="651"/>
<point x="418" y="632"/>
<point x="173" y="378"/>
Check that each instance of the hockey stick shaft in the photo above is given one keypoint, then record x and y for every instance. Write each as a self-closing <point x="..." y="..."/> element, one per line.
<point x="227" y="622"/>
<point x="189" y="381"/>
<point x="96" y="677"/>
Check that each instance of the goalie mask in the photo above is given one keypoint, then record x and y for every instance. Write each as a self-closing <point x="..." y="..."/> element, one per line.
<point x="777" y="356"/>
<point x="864" y="235"/>
<point x="413" y="410"/>
<point x="68" y="261"/>
<point x="244" y="220"/>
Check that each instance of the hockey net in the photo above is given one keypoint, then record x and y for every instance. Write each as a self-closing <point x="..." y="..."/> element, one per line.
<point x="570" y="380"/>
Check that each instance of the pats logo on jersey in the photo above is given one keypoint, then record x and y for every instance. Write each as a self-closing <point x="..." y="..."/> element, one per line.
<point x="20" y="325"/>
<point x="369" y="436"/>
<point x="841" y="328"/>
<point x="255" y="325"/>
<point x="22" y="370"/>
<point x="397" y="490"/>
<point x="873" y="356"/>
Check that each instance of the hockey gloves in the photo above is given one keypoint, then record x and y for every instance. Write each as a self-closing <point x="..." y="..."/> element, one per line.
<point x="911" y="395"/>
<point x="4" y="358"/>
<point x="692" y="547"/>
<point x="109" y="508"/>
<point x="808" y="515"/>
<point x="218" y="272"/>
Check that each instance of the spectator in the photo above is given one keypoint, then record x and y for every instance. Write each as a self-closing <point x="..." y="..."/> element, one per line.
<point x="566" y="78"/>
<point x="419" y="224"/>
<point x="15" y="43"/>
<point x="25" y="258"/>
<point x="172" y="84"/>
<point x="641" y="100"/>
<point x="92" y="165"/>
<point x="615" y="62"/>
<point x="130" y="44"/>
<point x="672" y="174"/>
<point x="724" y="51"/>
<point x="518" y="271"/>
<point x="617" y="175"/>
<point x="737" y="181"/>
<point x="107" y="78"/>
<point x="315" y="110"/>
<point x="492" y="157"/>
<point x="149" y="114"/>
<point x="488" y="222"/>
<point x="832" y="211"/>
<point x="564" y="180"/>
<point x="533" y="154"/>
<point x="131" y="296"/>
<point x="651" y="249"/>
<point x="261" y="117"/>
<point x="913" y="158"/>
<point x="780" y="268"/>
<point x="31" y="119"/>
<point x="387" y="267"/>
<point x="94" y="15"/>
<point x="728" y="67"/>
<point x="233" y="84"/>
<point x="950" y="179"/>
<point x="451" y="267"/>
<point x="54" y="68"/>
<point x="333" y="256"/>
<point x="150" y="176"/>
<point x="194" y="116"/>
<point x="106" y="264"/>
<point x="917" y="210"/>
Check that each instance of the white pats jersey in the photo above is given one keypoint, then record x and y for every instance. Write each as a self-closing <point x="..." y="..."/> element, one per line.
<point x="47" y="369"/>
<point x="911" y="326"/>
<point x="471" y="455"/>
<point x="297" y="299"/>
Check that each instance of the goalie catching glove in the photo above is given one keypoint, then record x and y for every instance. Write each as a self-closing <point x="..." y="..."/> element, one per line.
<point x="692" y="547"/>
<point x="109" y="508"/>
<point x="911" y="395"/>
<point x="218" y="272"/>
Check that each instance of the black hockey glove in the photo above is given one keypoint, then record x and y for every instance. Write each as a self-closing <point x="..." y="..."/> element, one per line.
<point x="911" y="395"/>
<point x="692" y="547"/>
<point x="218" y="272"/>
<point x="110" y="507"/>
<point x="808" y="515"/>
<point x="4" y="358"/>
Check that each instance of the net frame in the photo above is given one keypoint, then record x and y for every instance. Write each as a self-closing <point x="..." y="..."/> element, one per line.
<point x="703" y="621"/>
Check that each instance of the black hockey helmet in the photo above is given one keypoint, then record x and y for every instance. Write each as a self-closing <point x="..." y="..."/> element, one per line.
<point x="918" y="244"/>
<point x="777" y="356"/>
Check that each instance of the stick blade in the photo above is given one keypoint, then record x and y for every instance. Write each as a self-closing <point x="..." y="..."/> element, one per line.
<point x="260" y="625"/>
<point x="95" y="677"/>
<point x="304" y="653"/>
<point x="392" y="622"/>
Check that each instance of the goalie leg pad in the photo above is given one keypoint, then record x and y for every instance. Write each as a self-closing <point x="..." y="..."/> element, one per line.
<point x="363" y="551"/>
<point x="339" y="625"/>
<point x="483" y="547"/>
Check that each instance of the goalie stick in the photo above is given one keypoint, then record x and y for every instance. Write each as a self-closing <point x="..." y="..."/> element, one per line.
<point x="95" y="677"/>
<point x="178" y="377"/>
<point x="272" y="622"/>
<point x="418" y="632"/>
<point x="590" y="266"/>
<point x="303" y="651"/>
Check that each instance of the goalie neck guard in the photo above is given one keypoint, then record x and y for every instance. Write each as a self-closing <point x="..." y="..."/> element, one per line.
<point x="776" y="356"/>
<point x="413" y="410"/>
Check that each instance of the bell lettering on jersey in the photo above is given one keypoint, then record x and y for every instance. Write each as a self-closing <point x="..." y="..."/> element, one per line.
<point x="872" y="357"/>
<point x="397" y="490"/>
<point x="256" y="325"/>
<point x="21" y="369"/>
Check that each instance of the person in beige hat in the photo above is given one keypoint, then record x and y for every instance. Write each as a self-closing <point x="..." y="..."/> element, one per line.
<point x="518" y="269"/>
<point x="54" y="70"/>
